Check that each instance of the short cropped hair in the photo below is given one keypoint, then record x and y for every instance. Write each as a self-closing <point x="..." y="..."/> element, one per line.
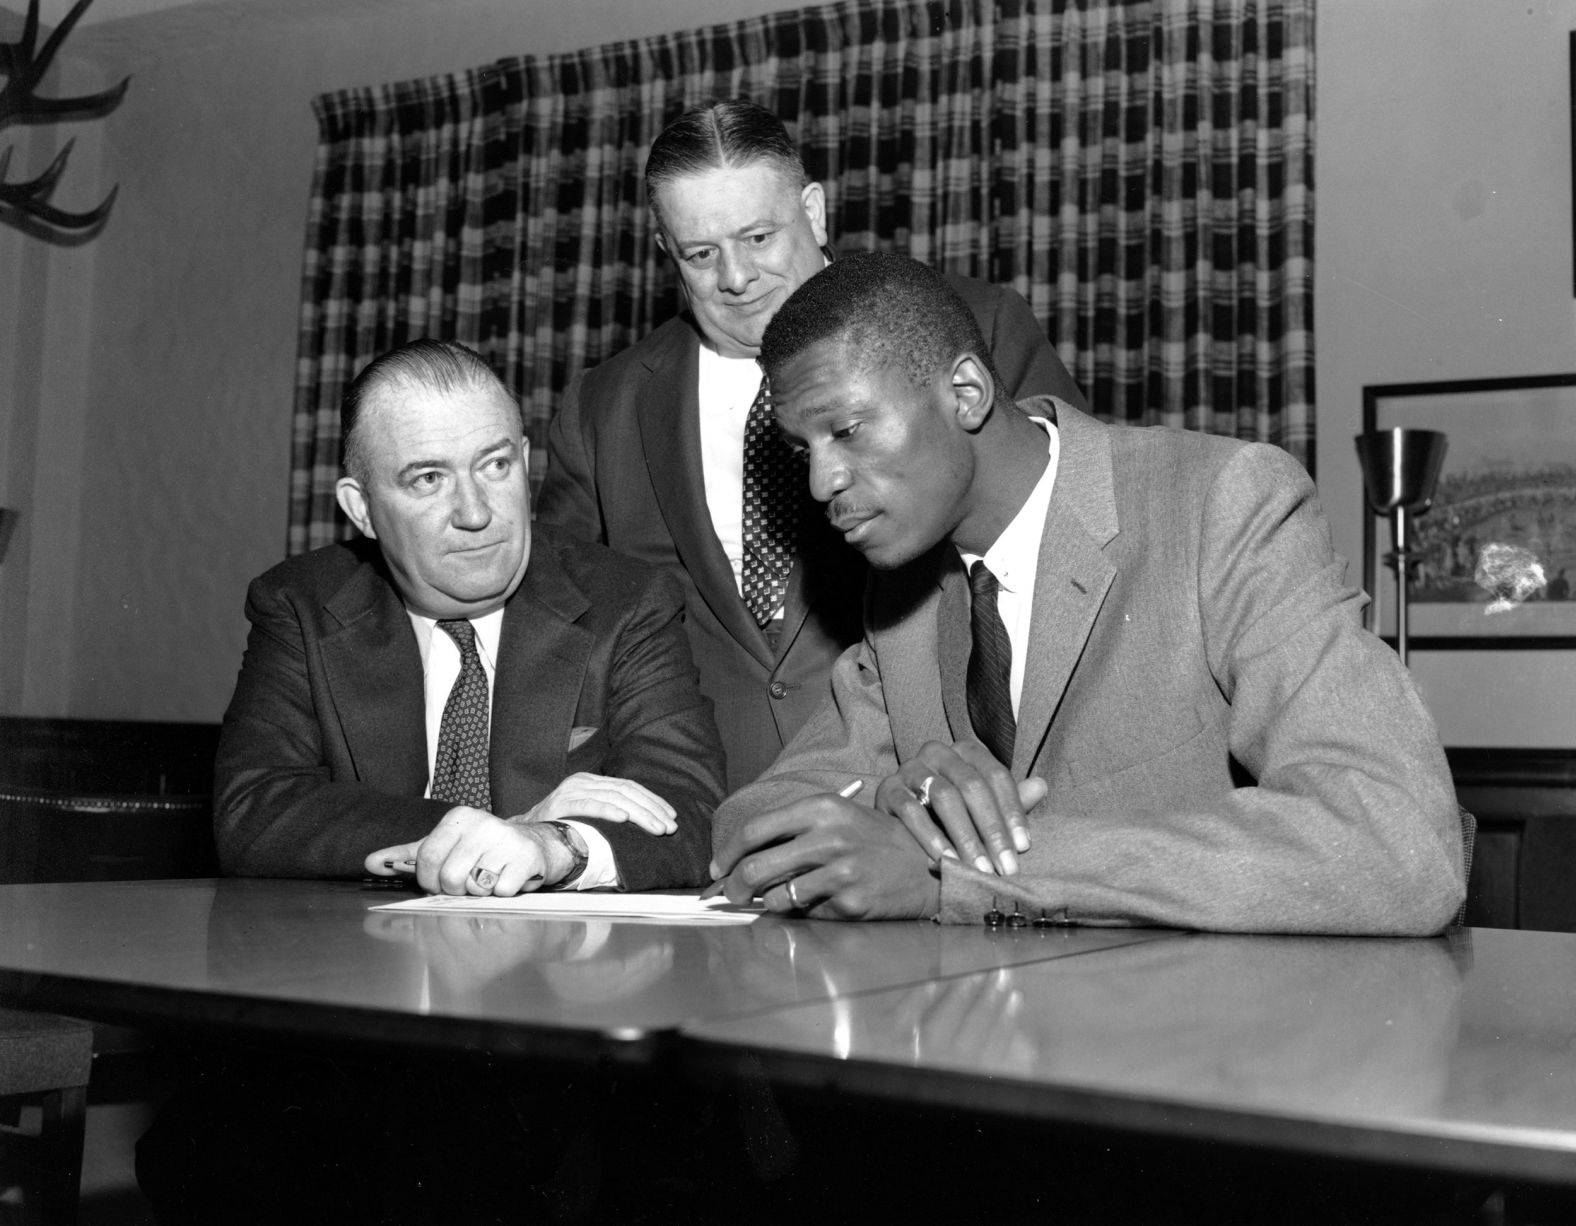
<point x="717" y="136"/>
<point x="440" y="366"/>
<point x="891" y="310"/>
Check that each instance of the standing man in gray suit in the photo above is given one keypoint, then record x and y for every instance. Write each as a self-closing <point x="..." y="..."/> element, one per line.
<point x="666" y="452"/>
<point x="1109" y="675"/>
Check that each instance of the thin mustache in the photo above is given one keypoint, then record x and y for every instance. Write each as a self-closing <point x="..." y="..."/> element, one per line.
<point x="837" y="511"/>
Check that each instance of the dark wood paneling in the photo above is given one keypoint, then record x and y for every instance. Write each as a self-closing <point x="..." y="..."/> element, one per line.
<point x="108" y="756"/>
<point x="1524" y="873"/>
<point x="105" y="800"/>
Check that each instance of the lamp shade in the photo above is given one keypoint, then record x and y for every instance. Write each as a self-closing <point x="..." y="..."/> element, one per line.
<point x="1400" y="467"/>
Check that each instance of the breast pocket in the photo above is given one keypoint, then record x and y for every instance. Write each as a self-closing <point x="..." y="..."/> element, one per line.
<point x="588" y="750"/>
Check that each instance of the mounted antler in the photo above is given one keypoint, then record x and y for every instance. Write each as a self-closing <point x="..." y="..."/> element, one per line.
<point x="24" y="69"/>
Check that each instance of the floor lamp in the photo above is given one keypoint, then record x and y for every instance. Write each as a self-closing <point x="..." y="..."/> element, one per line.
<point x="1400" y="470"/>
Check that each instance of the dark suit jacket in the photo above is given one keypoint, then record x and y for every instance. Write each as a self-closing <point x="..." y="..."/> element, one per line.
<point x="624" y="468"/>
<point x="1225" y="746"/>
<point x="323" y="753"/>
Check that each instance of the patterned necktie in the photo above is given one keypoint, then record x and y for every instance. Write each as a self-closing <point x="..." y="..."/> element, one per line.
<point x="771" y="509"/>
<point x="990" y="668"/>
<point x="459" y="773"/>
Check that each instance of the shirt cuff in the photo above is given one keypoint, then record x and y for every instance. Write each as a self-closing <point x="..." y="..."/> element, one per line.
<point x="601" y="871"/>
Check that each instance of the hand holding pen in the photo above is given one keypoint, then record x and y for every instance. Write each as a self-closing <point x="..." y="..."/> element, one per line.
<point x="821" y="855"/>
<point x="847" y="792"/>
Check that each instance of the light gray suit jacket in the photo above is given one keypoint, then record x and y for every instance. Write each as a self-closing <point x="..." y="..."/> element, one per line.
<point x="1226" y="748"/>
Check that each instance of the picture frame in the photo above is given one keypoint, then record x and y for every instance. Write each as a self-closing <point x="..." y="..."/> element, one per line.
<point x="1509" y="477"/>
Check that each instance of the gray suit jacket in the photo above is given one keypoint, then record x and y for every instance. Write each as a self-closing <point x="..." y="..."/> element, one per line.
<point x="624" y="469"/>
<point x="323" y="753"/>
<point x="1226" y="748"/>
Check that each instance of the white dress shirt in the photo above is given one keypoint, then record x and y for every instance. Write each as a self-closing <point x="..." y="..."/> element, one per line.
<point x="1015" y="560"/>
<point x="727" y="389"/>
<point x="440" y="666"/>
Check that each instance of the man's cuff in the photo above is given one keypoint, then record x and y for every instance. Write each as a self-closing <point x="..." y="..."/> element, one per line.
<point x="601" y="872"/>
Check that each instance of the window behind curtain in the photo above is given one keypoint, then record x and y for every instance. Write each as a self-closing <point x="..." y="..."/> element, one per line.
<point x="1140" y="170"/>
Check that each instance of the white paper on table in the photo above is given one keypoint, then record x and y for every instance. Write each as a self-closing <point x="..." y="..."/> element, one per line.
<point x="575" y="904"/>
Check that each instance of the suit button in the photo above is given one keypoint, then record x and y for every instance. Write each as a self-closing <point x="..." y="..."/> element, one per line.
<point x="777" y="690"/>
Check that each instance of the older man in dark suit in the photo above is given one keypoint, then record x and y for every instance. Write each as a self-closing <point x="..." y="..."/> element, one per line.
<point x="451" y="696"/>
<point x="668" y="453"/>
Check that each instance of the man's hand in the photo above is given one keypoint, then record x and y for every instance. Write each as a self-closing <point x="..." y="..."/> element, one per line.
<point x="842" y="859"/>
<point x="472" y="852"/>
<point x="613" y="800"/>
<point x="957" y="800"/>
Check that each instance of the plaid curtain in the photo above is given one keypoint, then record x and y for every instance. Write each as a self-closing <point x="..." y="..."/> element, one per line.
<point x="1140" y="170"/>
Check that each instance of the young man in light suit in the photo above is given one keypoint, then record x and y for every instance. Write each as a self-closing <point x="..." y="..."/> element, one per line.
<point x="1189" y="725"/>
<point x="646" y="452"/>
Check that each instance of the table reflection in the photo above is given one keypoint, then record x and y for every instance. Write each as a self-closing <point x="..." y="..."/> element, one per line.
<point x="1339" y="1025"/>
<point x="293" y="939"/>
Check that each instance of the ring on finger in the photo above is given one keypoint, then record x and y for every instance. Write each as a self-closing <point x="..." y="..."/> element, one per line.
<point x="793" y="898"/>
<point x="923" y="795"/>
<point x="485" y="878"/>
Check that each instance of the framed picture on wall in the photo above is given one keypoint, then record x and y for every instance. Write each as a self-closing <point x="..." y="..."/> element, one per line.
<point x="1508" y="480"/>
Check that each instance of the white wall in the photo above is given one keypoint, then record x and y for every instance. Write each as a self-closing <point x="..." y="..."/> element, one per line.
<point x="1443" y="251"/>
<point x="162" y="354"/>
<point x="146" y="378"/>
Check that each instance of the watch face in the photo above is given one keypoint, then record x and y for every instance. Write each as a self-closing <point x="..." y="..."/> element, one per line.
<point x="578" y="854"/>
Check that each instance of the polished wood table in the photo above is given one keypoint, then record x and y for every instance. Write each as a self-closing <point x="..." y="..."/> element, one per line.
<point x="1455" y="1054"/>
<point x="311" y="959"/>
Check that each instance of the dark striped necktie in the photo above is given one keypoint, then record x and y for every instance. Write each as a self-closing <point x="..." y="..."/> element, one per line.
<point x="990" y="668"/>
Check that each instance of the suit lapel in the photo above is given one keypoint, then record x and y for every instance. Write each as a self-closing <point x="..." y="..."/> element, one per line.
<point x="542" y="658"/>
<point x="911" y="611"/>
<point x="670" y="434"/>
<point x="1072" y="577"/>
<point x="373" y="667"/>
<point x="954" y="643"/>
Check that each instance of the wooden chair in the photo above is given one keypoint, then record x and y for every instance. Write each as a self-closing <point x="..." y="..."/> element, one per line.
<point x="45" y="1060"/>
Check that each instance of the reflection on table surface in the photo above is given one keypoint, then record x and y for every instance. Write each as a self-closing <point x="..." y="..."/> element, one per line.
<point x="220" y="947"/>
<point x="1470" y="1037"/>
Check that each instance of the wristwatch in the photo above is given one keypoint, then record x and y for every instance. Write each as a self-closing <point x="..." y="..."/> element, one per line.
<point x="577" y="853"/>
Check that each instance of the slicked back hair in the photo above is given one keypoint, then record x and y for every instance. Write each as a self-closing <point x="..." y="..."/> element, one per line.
<point x="439" y="366"/>
<point x="716" y="136"/>
<point x="889" y="309"/>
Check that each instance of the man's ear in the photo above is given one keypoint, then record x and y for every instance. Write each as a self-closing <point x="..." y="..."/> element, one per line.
<point x="353" y="502"/>
<point x="813" y="198"/>
<point x="973" y="391"/>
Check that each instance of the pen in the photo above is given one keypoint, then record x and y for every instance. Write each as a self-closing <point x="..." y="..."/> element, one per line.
<point x="848" y="791"/>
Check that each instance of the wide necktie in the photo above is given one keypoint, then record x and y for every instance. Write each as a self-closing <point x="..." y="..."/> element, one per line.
<point x="459" y="773"/>
<point x="990" y="668"/>
<point x="771" y="509"/>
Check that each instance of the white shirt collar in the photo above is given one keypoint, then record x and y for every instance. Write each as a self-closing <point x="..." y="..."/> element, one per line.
<point x="1015" y="555"/>
<point x="488" y="627"/>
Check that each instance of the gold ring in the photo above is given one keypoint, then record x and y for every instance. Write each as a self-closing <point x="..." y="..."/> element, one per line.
<point x="923" y="795"/>
<point x="793" y="898"/>
<point x="484" y="878"/>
